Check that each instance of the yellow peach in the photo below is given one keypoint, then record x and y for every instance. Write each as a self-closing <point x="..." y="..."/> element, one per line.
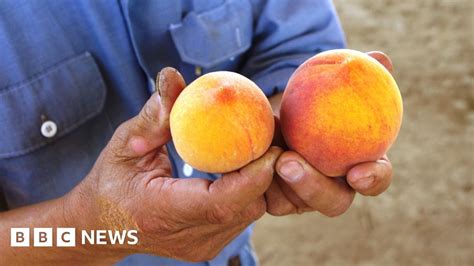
<point x="221" y="122"/>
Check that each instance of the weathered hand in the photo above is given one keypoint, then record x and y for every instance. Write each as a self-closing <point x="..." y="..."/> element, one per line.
<point x="131" y="187"/>
<point x="298" y="187"/>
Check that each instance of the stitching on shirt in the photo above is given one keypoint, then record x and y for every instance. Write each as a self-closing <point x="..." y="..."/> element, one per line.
<point x="176" y="30"/>
<point x="43" y="73"/>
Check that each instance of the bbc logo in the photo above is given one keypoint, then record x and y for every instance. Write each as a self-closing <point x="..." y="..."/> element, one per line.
<point x="43" y="237"/>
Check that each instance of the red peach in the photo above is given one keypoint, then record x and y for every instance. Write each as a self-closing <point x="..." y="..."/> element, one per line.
<point x="341" y="108"/>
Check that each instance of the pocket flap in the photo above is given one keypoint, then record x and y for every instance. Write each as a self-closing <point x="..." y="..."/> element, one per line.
<point x="211" y="37"/>
<point x="68" y="94"/>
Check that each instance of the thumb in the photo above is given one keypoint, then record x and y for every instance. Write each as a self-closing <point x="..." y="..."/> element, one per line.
<point x="328" y="195"/>
<point x="383" y="59"/>
<point x="236" y="190"/>
<point x="150" y="128"/>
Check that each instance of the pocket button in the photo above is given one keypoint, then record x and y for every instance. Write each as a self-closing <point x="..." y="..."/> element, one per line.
<point x="197" y="71"/>
<point x="49" y="129"/>
<point x="187" y="170"/>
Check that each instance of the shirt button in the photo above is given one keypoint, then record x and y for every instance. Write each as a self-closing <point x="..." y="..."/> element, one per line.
<point x="198" y="71"/>
<point x="187" y="170"/>
<point x="49" y="129"/>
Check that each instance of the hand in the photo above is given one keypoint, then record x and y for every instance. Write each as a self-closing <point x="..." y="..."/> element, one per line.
<point x="298" y="187"/>
<point x="131" y="187"/>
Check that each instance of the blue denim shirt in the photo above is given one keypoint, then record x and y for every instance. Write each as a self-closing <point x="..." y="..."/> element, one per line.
<point x="89" y="65"/>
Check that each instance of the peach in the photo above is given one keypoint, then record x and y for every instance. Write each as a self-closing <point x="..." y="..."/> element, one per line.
<point x="341" y="108"/>
<point x="221" y="122"/>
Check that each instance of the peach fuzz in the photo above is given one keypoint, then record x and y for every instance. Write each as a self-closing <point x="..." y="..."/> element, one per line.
<point x="221" y="122"/>
<point x="341" y="108"/>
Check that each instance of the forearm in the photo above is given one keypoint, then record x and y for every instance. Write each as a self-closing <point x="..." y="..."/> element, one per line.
<point x="58" y="213"/>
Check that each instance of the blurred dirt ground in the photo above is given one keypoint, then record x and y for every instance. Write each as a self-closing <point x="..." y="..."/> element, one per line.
<point x="426" y="217"/>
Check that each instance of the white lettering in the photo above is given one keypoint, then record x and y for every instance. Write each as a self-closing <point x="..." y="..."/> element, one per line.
<point x="133" y="237"/>
<point x="101" y="236"/>
<point x="117" y="236"/>
<point x="89" y="238"/>
<point x="20" y="237"/>
<point x="66" y="237"/>
<point x="43" y="237"/>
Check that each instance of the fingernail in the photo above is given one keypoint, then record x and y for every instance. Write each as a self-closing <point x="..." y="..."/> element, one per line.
<point x="159" y="82"/>
<point x="159" y="87"/>
<point x="365" y="182"/>
<point x="291" y="171"/>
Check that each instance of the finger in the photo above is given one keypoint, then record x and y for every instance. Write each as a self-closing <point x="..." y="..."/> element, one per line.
<point x="220" y="202"/>
<point x="278" y="204"/>
<point x="291" y="195"/>
<point x="200" y="201"/>
<point x="327" y="195"/>
<point x="150" y="128"/>
<point x="233" y="192"/>
<point x="253" y="211"/>
<point x="169" y="84"/>
<point x="372" y="178"/>
<point x="383" y="59"/>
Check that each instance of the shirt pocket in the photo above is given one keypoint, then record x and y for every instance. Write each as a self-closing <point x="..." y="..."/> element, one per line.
<point x="212" y="37"/>
<point x="38" y="164"/>
<point x="64" y="96"/>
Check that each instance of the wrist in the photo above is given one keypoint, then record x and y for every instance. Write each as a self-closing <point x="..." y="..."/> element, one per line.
<point x="82" y="210"/>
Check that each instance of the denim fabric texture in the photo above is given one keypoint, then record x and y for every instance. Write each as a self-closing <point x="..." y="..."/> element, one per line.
<point x="88" y="66"/>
